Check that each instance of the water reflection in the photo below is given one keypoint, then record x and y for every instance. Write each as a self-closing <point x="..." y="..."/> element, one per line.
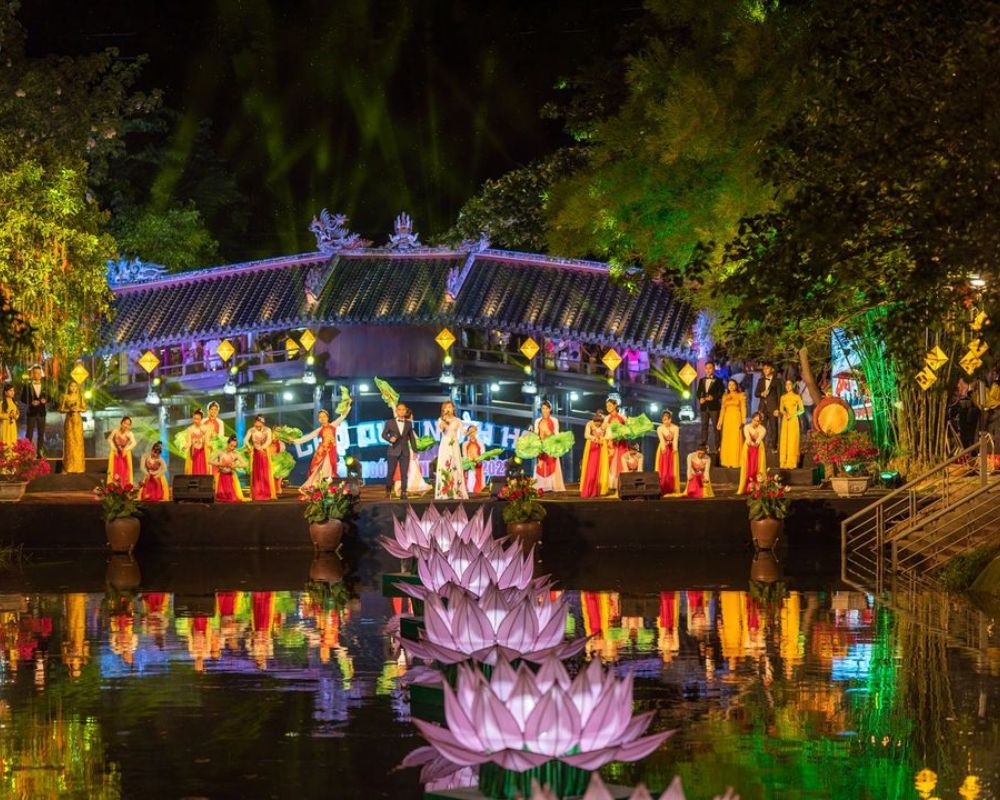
<point x="777" y="691"/>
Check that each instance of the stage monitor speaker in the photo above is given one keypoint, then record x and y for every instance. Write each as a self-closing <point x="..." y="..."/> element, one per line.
<point x="496" y="486"/>
<point x="639" y="486"/>
<point x="193" y="489"/>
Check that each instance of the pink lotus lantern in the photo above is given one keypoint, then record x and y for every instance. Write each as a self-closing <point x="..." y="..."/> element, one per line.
<point x="472" y="569"/>
<point x="509" y="623"/>
<point x="414" y="535"/>
<point x="519" y="725"/>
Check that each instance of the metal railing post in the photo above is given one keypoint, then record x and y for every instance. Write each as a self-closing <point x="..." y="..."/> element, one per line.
<point x="984" y="466"/>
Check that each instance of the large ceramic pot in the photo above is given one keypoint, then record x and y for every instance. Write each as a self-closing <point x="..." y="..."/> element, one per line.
<point x="765" y="532"/>
<point x="326" y="535"/>
<point x="12" y="491"/>
<point x="122" y="534"/>
<point x="326" y="567"/>
<point x="123" y="573"/>
<point x="847" y="486"/>
<point x="526" y="534"/>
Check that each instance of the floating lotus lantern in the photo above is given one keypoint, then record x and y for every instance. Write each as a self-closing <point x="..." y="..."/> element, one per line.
<point x="472" y="569"/>
<point x="519" y="725"/>
<point x="413" y="535"/>
<point x="596" y="790"/>
<point x="511" y="623"/>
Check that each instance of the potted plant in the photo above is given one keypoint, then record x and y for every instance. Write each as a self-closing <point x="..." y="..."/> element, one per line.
<point x="523" y="513"/>
<point x="19" y="465"/>
<point x="120" y="509"/>
<point x="328" y="504"/>
<point x="767" y="505"/>
<point x="851" y="455"/>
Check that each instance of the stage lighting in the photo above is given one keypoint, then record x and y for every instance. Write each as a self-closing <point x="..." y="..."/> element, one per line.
<point x="310" y="359"/>
<point x="363" y="387"/>
<point x="88" y="394"/>
<point x="611" y="381"/>
<point x="447" y="376"/>
<point x="233" y="370"/>
<point x="230" y="387"/>
<point x="309" y="376"/>
<point x="447" y="361"/>
<point x="287" y="397"/>
<point x="494" y="387"/>
<point x="686" y="394"/>
<point x="156" y="381"/>
<point x="152" y="398"/>
<point x="527" y="369"/>
<point x="654" y="407"/>
<point x="574" y="396"/>
<point x="529" y="387"/>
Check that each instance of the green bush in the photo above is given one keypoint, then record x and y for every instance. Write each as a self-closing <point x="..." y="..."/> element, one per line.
<point x="961" y="572"/>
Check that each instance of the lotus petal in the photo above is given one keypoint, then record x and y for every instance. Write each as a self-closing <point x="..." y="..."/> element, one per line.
<point x="596" y="790"/>
<point x="497" y="728"/>
<point x="460" y="723"/>
<point x="519" y="629"/>
<point x="518" y="760"/>
<point x="553" y="727"/>
<point x="552" y="673"/>
<point x="524" y="696"/>
<point x="442" y="775"/>
<point x="470" y="627"/>
<point x="675" y="791"/>
<point x="495" y="605"/>
<point x="503" y="681"/>
<point x="641" y="793"/>
<point x="446" y="744"/>
<point x="478" y="576"/>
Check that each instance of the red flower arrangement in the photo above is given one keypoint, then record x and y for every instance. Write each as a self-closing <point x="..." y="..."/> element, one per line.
<point x="522" y="500"/>
<point x="327" y="500"/>
<point x="20" y="463"/>
<point x="118" y="500"/>
<point x="851" y="452"/>
<point x="769" y="500"/>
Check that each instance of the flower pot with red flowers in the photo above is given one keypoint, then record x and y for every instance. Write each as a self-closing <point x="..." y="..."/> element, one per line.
<point x="328" y="504"/>
<point x="768" y="505"/>
<point x="120" y="510"/>
<point x="523" y="513"/>
<point x="851" y="456"/>
<point x="20" y="464"/>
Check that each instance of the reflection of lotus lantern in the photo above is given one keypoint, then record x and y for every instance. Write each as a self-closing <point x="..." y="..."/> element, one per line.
<point x="473" y="569"/>
<point x="519" y="720"/>
<point x="596" y="790"/>
<point x="511" y="623"/>
<point x="414" y="536"/>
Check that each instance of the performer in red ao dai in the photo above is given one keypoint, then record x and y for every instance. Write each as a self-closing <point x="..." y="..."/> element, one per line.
<point x="122" y="442"/>
<point x="548" y="470"/>
<point x="213" y="427"/>
<point x="258" y="441"/>
<point x="616" y="449"/>
<point x="197" y="452"/>
<point x="753" y="459"/>
<point x="668" y="460"/>
<point x="699" y="467"/>
<point x="594" y="468"/>
<point x="227" y="483"/>
<point x="324" y="461"/>
<point x="471" y="450"/>
<point x="154" y="486"/>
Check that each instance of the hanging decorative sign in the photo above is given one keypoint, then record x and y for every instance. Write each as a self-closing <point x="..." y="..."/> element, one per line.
<point x="970" y="363"/>
<point x="529" y="348"/>
<point x="149" y="361"/>
<point x="980" y="320"/>
<point x="307" y="339"/>
<point x="291" y="346"/>
<point x="926" y="378"/>
<point x="688" y="373"/>
<point x="79" y="373"/>
<point x="611" y="359"/>
<point x="936" y="358"/>
<point x="225" y="350"/>
<point x="445" y="339"/>
<point x="978" y="348"/>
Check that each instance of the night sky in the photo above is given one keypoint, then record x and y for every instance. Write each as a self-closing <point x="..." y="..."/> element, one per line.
<point x="364" y="107"/>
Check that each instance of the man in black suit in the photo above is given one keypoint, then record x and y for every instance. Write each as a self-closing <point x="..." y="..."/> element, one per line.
<point x="36" y="402"/>
<point x="709" y="393"/>
<point x="768" y="394"/>
<point x="398" y="432"/>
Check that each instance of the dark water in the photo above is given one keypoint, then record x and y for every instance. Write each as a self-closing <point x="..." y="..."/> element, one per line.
<point x="177" y="691"/>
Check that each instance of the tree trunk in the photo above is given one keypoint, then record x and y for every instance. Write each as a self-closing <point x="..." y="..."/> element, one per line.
<point x="807" y="375"/>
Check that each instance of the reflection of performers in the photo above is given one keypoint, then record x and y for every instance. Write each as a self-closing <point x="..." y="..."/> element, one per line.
<point x="75" y="647"/>
<point x="258" y="441"/>
<point x="699" y="465"/>
<point x="548" y="470"/>
<point x="8" y="417"/>
<point x="616" y="448"/>
<point x="154" y="486"/>
<point x="668" y="458"/>
<point x="121" y="442"/>
<point x="226" y="464"/>
<point x="324" y="461"/>
<point x="471" y="450"/>
<point x="196" y="448"/>
<point x="753" y="459"/>
<point x="72" y="405"/>
<point x="594" y="469"/>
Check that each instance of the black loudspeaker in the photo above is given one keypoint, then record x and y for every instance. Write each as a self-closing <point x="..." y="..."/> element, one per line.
<point x="497" y="485"/>
<point x="193" y="489"/>
<point x="638" y="486"/>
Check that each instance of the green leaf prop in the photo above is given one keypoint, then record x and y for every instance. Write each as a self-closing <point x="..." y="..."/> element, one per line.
<point x="286" y="433"/>
<point x="469" y="463"/>
<point x="180" y="442"/>
<point x="529" y="445"/>
<point x="558" y="444"/>
<point x="282" y="464"/>
<point x="389" y="395"/>
<point x="634" y="428"/>
<point x="424" y="443"/>
<point x="217" y="443"/>
<point x="345" y="402"/>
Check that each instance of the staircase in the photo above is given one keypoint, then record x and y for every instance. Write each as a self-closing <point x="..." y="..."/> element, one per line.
<point x="902" y="538"/>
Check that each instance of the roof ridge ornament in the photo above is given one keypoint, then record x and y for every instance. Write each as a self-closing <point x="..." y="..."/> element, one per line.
<point x="457" y="275"/>
<point x="332" y="233"/>
<point x="403" y="237"/>
<point x="125" y="271"/>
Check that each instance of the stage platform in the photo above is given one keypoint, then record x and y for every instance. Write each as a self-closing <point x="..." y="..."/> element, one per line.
<point x="69" y="521"/>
